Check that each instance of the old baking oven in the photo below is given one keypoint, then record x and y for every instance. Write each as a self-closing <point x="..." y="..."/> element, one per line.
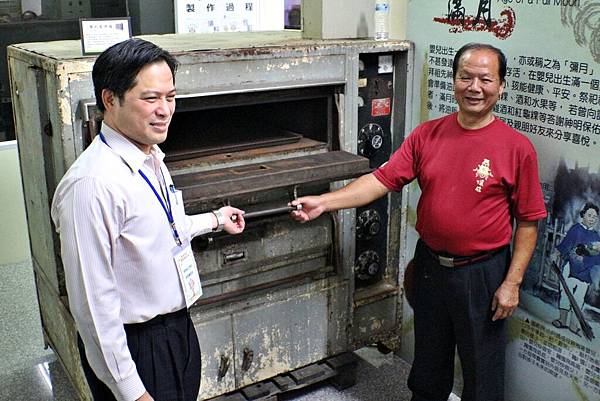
<point x="260" y="120"/>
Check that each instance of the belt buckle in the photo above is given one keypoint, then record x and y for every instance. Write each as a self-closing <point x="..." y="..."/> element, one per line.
<point x="445" y="261"/>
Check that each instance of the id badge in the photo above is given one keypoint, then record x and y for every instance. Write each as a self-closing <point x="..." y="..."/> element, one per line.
<point x="188" y="273"/>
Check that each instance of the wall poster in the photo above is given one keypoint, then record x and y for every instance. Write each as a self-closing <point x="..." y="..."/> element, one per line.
<point x="552" y="95"/>
<point x="209" y="16"/>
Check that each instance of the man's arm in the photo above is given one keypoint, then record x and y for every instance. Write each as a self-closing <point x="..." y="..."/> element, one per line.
<point x="86" y="226"/>
<point x="506" y="298"/>
<point x="360" y="192"/>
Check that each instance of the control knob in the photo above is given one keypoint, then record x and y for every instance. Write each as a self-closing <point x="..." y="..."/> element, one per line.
<point x="368" y="224"/>
<point x="370" y="139"/>
<point x="367" y="265"/>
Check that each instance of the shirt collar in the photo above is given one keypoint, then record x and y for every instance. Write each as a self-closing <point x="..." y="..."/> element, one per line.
<point x="131" y="154"/>
<point x="586" y="227"/>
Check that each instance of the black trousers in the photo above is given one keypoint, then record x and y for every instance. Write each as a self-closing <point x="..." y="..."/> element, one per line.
<point x="167" y="356"/>
<point x="453" y="311"/>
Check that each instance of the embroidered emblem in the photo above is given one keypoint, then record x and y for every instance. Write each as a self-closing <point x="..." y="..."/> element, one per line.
<point x="482" y="173"/>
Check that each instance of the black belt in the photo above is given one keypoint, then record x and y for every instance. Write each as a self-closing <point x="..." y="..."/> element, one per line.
<point x="158" y="320"/>
<point x="448" y="260"/>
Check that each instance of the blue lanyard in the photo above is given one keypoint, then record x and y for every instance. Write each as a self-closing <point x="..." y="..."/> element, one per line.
<point x="166" y="206"/>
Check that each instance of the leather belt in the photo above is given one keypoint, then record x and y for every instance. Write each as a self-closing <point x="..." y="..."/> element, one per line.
<point x="459" y="261"/>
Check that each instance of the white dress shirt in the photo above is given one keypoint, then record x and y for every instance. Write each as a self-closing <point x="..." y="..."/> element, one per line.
<point x="116" y="246"/>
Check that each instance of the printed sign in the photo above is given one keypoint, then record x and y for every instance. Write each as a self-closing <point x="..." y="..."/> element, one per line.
<point x="381" y="107"/>
<point x="202" y="16"/>
<point x="98" y="34"/>
<point x="552" y="95"/>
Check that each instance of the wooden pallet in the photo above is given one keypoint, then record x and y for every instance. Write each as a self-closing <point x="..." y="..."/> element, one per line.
<point x="340" y="371"/>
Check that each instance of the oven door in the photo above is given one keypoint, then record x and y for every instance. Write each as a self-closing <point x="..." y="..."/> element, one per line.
<point x="273" y="250"/>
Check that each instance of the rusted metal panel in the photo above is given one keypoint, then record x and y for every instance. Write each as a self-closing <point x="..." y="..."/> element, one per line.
<point x="373" y="325"/>
<point x="252" y="74"/>
<point x="33" y="140"/>
<point x="80" y="87"/>
<point x="269" y="333"/>
<point x="59" y="330"/>
<point x="282" y="336"/>
<point x="217" y="346"/>
<point x="262" y="247"/>
<point x="219" y="46"/>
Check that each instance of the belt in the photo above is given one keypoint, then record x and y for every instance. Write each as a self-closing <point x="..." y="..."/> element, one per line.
<point x="159" y="320"/>
<point x="459" y="261"/>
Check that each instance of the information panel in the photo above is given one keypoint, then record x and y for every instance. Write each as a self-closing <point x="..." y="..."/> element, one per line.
<point x="209" y="16"/>
<point x="552" y="95"/>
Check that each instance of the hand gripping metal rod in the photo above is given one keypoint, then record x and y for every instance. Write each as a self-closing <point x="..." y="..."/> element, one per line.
<point x="268" y="212"/>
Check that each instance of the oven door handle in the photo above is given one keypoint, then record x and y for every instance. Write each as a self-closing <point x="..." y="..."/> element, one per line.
<point x="268" y="212"/>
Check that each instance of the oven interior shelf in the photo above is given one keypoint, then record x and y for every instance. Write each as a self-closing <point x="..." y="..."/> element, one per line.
<point x="231" y="182"/>
<point x="207" y="145"/>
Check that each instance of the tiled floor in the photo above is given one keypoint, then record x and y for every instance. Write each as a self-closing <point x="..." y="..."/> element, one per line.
<point x="20" y="331"/>
<point x="381" y="379"/>
<point x="29" y="372"/>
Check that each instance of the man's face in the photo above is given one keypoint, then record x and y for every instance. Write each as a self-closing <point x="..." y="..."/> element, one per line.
<point x="144" y="113"/>
<point x="477" y="84"/>
<point x="590" y="218"/>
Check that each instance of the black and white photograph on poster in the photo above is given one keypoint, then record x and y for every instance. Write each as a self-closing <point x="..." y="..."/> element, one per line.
<point x="564" y="274"/>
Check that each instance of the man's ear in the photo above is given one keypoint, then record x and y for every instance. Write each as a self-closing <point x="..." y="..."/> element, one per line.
<point x="108" y="99"/>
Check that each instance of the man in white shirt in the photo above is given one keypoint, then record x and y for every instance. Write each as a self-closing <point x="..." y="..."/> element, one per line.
<point x="125" y="239"/>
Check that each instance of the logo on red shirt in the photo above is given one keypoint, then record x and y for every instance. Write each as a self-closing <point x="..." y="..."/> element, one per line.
<point x="482" y="173"/>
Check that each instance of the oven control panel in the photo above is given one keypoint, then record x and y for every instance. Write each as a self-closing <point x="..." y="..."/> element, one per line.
<point x="375" y="91"/>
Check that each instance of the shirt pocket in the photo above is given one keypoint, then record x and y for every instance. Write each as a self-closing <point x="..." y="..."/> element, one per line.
<point x="179" y="213"/>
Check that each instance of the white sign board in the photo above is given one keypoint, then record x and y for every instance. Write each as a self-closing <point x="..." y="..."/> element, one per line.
<point x="98" y="34"/>
<point x="208" y="16"/>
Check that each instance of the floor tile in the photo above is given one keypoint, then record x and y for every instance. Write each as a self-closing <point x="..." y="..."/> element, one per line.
<point x="21" y="338"/>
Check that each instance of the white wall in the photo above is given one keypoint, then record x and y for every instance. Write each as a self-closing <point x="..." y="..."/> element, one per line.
<point x="398" y="19"/>
<point x="32" y="5"/>
<point x="271" y="15"/>
<point x="14" y="240"/>
<point x="340" y="19"/>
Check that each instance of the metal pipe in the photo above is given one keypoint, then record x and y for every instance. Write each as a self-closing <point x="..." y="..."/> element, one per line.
<point x="268" y="212"/>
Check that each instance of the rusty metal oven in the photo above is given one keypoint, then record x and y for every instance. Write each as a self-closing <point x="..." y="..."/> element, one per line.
<point x="259" y="120"/>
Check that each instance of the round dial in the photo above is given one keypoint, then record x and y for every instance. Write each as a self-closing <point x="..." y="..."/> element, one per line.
<point x="367" y="265"/>
<point x="368" y="224"/>
<point x="370" y="139"/>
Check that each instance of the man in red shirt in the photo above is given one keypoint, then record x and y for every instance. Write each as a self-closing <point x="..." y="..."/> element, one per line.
<point x="477" y="175"/>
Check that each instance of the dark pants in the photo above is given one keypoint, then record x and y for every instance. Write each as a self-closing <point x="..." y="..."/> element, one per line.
<point x="167" y="355"/>
<point x="453" y="310"/>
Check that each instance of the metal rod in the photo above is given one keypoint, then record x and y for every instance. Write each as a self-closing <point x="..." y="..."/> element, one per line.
<point x="268" y="212"/>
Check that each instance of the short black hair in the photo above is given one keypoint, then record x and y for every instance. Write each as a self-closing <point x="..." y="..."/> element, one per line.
<point x="588" y="206"/>
<point x="117" y="67"/>
<point x="480" y="46"/>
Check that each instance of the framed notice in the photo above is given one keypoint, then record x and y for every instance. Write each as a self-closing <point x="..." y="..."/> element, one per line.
<point x="209" y="16"/>
<point x="98" y="34"/>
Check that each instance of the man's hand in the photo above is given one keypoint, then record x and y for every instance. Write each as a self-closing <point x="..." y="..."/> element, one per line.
<point x="145" y="397"/>
<point x="236" y="224"/>
<point x="506" y="300"/>
<point x="506" y="297"/>
<point x="362" y="191"/>
<point x="311" y="208"/>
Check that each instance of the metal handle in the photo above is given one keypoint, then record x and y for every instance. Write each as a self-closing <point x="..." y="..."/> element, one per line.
<point x="223" y="368"/>
<point x="248" y="357"/>
<point x="268" y="212"/>
<point x="232" y="257"/>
